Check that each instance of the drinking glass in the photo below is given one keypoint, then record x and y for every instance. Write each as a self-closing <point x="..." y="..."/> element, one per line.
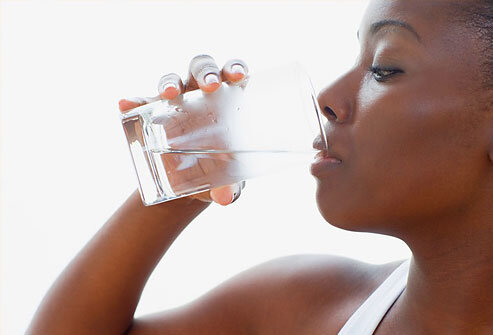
<point x="198" y="141"/>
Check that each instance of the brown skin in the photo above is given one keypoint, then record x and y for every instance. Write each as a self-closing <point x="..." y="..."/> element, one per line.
<point x="417" y="164"/>
<point x="417" y="154"/>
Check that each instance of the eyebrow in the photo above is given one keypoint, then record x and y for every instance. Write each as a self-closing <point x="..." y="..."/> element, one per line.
<point x="375" y="27"/>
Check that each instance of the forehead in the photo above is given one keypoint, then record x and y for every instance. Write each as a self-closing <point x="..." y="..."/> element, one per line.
<point x="430" y="18"/>
<point x="439" y="23"/>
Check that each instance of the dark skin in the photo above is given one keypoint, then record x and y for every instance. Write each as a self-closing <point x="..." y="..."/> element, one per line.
<point x="417" y="163"/>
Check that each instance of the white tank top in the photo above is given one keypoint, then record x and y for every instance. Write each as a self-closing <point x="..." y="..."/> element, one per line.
<point x="367" y="317"/>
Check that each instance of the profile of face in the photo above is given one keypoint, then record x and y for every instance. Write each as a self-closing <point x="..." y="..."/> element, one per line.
<point x="409" y="120"/>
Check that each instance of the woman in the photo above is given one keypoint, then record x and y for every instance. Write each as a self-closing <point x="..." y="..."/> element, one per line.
<point x="412" y="123"/>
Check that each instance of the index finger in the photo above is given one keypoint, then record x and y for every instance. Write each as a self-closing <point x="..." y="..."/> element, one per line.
<point x="127" y="104"/>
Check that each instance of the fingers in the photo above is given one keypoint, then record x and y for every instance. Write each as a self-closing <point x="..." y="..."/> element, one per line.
<point x="170" y="86"/>
<point x="234" y="70"/>
<point x="223" y="195"/>
<point x="127" y="104"/>
<point x="204" y="74"/>
<point x="226" y="195"/>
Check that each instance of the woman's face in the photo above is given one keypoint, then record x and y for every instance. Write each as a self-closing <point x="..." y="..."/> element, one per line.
<point x="409" y="129"/>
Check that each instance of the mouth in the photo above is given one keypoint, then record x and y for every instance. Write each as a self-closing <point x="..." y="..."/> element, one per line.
<point x="325" y="153"/>
<point x="327" y="156"/>
<point x="325" y="164"/>
<point x="326" y="161"/>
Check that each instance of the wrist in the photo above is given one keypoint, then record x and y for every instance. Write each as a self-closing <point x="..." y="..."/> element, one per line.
<point x="178" y="210"/>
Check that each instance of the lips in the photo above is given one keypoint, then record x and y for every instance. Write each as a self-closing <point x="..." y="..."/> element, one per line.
<point x="324" y="154"/>
<point x="325" y="166"/>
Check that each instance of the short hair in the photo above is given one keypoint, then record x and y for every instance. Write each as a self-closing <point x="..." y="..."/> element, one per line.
<point x="478" y="16"/>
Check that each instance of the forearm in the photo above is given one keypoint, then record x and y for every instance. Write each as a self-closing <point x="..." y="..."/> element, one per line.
<point x="99" y="290"/>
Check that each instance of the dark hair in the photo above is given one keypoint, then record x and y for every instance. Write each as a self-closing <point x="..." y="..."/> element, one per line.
<point x="479" y="17"/>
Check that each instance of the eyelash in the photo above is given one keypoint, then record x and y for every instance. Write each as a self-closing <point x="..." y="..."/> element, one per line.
<point x="375" y="70"/>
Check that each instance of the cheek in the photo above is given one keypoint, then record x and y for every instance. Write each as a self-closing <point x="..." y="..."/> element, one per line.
<point x="416" y="154"/>
<point x="409" y="159"/>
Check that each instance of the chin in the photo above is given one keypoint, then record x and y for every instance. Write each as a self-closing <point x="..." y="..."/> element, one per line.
<point x="343" y="214"/>
<point x="333" y="211"/>
<point x="357" y="217"/>
<point x="343" y="221"/>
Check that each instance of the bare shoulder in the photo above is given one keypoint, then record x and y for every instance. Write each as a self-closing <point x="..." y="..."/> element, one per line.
<point x="298" y="294"/>
<point x="311" y="294"/>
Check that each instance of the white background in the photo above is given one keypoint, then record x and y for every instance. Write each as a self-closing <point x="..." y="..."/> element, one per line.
<point x="65" y="165"/>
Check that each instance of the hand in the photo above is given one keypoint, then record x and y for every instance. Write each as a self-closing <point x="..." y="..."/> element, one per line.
<point x="204" y="74"/>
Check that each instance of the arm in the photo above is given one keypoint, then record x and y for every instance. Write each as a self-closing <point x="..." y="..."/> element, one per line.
<point x="99" y="291"/>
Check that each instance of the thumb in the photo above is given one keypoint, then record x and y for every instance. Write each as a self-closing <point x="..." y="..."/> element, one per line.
<point x="226" y="195"/>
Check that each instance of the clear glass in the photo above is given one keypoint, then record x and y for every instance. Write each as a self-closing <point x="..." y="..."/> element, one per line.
<point x="199" y="141"/>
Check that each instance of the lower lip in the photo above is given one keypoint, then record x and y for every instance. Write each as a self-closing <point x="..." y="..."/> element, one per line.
<point x="323" y="164"/>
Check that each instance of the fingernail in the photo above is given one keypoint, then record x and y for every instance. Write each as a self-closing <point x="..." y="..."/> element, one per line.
<point x="237" y="68"/>
<point x="168" y="85"/>
<point x="236" y="194"/>
<point x="211" y="78"/>
<point x="165" y="86"/>
<point x="170" y="91"/>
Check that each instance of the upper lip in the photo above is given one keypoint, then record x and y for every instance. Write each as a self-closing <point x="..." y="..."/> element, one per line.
<point x="326" y="152"/>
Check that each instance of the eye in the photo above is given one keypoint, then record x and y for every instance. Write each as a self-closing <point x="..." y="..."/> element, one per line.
<point x="382" y="74"/>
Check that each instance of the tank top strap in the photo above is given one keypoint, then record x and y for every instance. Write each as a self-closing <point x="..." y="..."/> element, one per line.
<point x="366" y="318"/>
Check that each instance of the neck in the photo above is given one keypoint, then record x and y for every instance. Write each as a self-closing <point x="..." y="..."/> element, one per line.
<point x="450" y="284"/>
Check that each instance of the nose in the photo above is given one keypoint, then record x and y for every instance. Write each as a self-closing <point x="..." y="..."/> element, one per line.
<point x="337" y="99"/>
